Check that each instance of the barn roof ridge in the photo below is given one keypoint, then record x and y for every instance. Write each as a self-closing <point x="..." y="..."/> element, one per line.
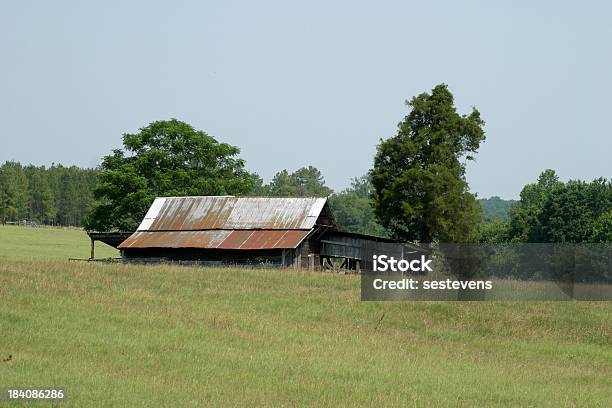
<point x="192" y="213"/>
<point x="246" y="196"/>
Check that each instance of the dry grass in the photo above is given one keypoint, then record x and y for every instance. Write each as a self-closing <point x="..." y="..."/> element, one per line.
<point x="121" y="335"/>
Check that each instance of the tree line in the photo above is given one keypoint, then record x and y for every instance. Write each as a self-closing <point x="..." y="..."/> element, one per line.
<point x="495" y="208"/>
<point x="55" y="195"/>
<point x="416" y="190"/>
<point x="551" y="211"/>
<point x="64" y="196"/>
<point x="351" y="207"/>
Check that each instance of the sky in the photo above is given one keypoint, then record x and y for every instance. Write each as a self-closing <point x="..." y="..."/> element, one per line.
<point x="310" y="83"/>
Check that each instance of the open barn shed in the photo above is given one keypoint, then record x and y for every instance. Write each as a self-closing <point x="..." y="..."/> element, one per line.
<point x="296" y="232"/>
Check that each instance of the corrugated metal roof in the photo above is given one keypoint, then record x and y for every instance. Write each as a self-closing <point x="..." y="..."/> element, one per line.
<point x="216" y="239"/>
<point x="227" y="212"/>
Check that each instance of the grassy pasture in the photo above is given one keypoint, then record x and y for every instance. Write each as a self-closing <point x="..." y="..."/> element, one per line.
<point x="142" y="336"/>
<point x="45" y="243"/>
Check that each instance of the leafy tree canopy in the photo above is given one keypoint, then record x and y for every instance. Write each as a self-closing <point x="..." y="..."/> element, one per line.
<point x="353" y="210"/>
<point x="304" y="182"/>
<point x="495" y="208"/>
<point x="420" y="192"/>
<point x="493" y="232"/>
<point x="553" y="211"/>
<point x="602" y="228"/>
<point x="524" y="222"/>
<point x="165" y="158"/>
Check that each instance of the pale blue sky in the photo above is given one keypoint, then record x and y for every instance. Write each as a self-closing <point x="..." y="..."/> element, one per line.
<point x="317" y="83"/>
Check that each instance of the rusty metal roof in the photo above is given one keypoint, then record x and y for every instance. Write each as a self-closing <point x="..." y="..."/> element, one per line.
<point x="216" y="239"/>
<point x="232" y="213"/>
<point x="227" y="222"/>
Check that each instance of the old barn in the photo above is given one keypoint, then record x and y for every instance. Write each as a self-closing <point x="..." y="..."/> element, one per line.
<point x="291" y="232"/>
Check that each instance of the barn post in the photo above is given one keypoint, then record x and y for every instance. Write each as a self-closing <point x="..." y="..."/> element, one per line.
<point x="298" y="257"/>
<point x="92" y="248"/>
<point x="283" y="258"/>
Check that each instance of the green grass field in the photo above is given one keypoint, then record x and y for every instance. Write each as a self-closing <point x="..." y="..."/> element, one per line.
<point x="46" y="243"/>
<point x="144" y="336"/>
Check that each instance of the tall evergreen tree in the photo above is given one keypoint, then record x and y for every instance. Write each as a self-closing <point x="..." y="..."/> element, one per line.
<point x="420" y="191"/>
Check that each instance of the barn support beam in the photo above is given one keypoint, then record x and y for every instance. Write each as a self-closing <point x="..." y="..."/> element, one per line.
<point x="296" y="257"/>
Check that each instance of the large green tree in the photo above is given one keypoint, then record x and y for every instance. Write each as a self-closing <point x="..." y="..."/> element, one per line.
<point x="524" y="222"/>
<point x="571" y="210"/>
<point x="420" y="191"/>
<point x="165" y="158"/>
